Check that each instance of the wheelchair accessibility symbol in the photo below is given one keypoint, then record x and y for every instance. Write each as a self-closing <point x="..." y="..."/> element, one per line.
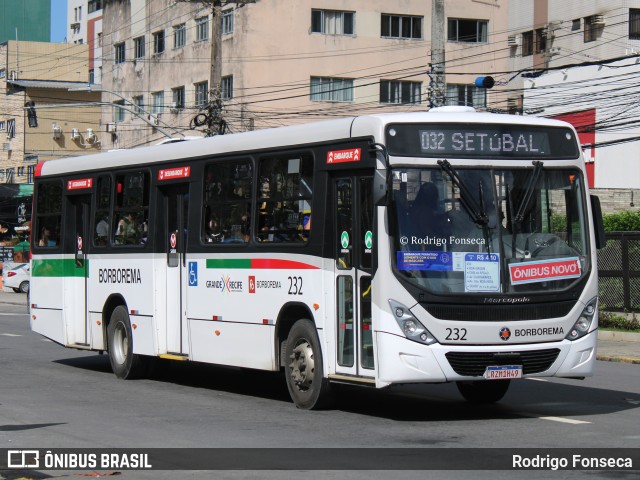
<point x="193" y="274"/>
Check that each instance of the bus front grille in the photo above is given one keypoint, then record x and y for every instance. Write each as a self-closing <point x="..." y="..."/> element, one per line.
<point x="474" y="364"/>
<point x="499" y="313"/>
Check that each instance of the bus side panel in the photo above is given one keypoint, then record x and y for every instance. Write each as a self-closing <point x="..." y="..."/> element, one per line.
<point x="48" y="323"/>
<point x="143" y="335"/>
<point x="236" y="344"/>
<point x="96" y="331"/>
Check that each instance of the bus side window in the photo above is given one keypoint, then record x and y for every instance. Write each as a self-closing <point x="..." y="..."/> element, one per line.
<point x="49" y="216"/>
<point x="131" y="212"/>
<point x="103" y="204"/>
<point x="227" y="203"/>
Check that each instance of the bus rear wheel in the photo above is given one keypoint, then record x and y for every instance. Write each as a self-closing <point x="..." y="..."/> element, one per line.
<point x="304" y="373"/>
<point x="124" y="363"/>
<point x="484" y="391"/>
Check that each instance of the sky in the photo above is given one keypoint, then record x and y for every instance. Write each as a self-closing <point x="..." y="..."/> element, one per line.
<point x="58" y="20"/>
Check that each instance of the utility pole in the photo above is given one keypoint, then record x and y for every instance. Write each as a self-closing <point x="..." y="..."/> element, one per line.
<point x="213" y="118"/>
<point x="437" y="87"/>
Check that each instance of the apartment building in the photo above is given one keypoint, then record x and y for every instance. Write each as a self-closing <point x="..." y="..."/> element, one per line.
<point x="84" y="25"/>
<point x="42" y="116"/>
<point x="579" y="62"/>
<point x="286" y="62"/>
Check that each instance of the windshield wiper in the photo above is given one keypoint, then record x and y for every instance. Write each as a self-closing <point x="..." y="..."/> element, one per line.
<point x="528" y="194"/>
<point x="473" y="208"/>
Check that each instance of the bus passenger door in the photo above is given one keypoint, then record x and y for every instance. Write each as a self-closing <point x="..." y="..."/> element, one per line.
<point x="353" y="212"/>
<point x="177" y="207"/>
<point x="77" y="237"/>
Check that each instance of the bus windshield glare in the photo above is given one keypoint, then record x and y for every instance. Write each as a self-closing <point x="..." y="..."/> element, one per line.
<point x="485" y="230"/>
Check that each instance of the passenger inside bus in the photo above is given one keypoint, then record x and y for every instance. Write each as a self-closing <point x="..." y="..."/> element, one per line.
<point x="425" y="218"/>
<point x="127" y="232"/>
<point x="102" y="231"/>
<point x="46" y="238"/>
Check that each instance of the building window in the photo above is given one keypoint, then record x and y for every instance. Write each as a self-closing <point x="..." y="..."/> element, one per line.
<point x="95" y="5"/>
<point x="227" y="88"/>
<point x="394" y="91"/>
<point x="202" y="94"/>
<point x="178" y="98"/>
<point x="92" y="76"/>
<point x="157" y="102"/>
<point x="138" y="101"/>
<point x="592" y="28"/>
<point x="634" y="24"/>
<point x="401" y="26"/>
<point x="179" y="36"/>
<point x="118" y="113"/>
<point x="11" y="128"/>
<point x="99" y="37"/>
<point x="575" y="24"/>
<point x="2" y="124"/>
<point x="3" y="72"/>
<point x="119" y="52"/>
<point x="463" y="30"/>
<point x="466" y="95"/>
<point x="158" y="42"/>
<point x="227" y="22"/>
<point x="540" y="40"/>
<point x="202" y="29"/>
<point x="327" y="89"/>
<point x="527" y="43"/>
<point x="332" y="22"/>
<point x="138" y="47"/>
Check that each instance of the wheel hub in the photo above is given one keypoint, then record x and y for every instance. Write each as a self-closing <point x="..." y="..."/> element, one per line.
<point x="302" y="366"/>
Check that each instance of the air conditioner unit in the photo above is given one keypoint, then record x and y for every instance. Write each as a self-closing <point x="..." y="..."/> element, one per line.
<point x="6" y="146"/>
<point x="597" y="20"/>
<point x="75" y="134"/>
<point x="173" y="107"/>
<point x="57" y="131"/>
<point x="111" y="127"/>
<point x="513" y="40"/>
<point x="153" y="119"/>
<point x="13" y="76"/>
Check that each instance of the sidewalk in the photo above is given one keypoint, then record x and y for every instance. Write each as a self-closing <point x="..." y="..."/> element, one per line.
<point x="612" y="346"/>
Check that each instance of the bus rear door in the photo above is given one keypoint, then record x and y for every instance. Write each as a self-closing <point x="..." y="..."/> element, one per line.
<point x="77" y="238"/>
<point x="176" y="206"/>
<point x="353" y="215"/>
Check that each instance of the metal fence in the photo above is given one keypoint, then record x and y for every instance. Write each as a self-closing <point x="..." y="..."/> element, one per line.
<point x="619" y="272"/>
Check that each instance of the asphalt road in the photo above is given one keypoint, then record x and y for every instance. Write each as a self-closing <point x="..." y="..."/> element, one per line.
<point x="52" y="397"/>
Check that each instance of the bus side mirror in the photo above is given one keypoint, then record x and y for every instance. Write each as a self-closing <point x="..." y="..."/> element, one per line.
<point x="380" y="187"/>
<point x="598" y="224"/>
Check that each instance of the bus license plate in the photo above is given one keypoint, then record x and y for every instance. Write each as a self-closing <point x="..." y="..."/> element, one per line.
<point x="503" y="372"/>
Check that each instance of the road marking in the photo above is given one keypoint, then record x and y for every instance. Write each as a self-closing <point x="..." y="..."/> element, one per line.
<point x="9" y="335"/>
<point x="554" y="419"/>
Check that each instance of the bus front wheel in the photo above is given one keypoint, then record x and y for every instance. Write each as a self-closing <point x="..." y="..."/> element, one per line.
<point x="483" y="391"/>
<point x="124" y="363"/>
<point x="304" y="373"/>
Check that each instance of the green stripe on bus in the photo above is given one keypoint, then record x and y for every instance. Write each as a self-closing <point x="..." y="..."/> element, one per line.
<point x="229" y="263"/>
<point x="58" y="267"/>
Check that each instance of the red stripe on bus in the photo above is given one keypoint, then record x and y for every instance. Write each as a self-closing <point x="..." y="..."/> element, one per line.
<point x="277" y="264"/>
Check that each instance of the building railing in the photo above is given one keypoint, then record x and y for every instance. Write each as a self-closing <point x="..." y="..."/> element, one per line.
<point x="619" y="272"/>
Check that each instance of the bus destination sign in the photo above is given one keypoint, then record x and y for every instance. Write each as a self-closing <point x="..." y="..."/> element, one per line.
<point x="173" y="173"/>
<point x="481" y="141"/>
<point x="80" y="183"/>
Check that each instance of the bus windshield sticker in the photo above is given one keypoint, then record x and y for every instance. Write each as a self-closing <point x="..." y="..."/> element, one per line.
<point x="80" y="183"/>
<point x="482" y="272"/>
<point x="171" y="173"/>
<point x="435" y="261"/>
<point x="545" y="270"/>
<point x="342" y="156"/>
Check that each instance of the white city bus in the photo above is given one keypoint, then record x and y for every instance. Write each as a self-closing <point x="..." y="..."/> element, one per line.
<point x="446" y="246"/>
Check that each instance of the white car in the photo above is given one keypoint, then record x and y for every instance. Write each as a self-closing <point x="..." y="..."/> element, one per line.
<point x="16" y="276"/>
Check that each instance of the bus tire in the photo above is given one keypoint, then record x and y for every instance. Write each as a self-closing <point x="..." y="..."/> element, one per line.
<point x="484" y="391"/>
<point x="304" y="373"/>
<point x="124" y="363"/>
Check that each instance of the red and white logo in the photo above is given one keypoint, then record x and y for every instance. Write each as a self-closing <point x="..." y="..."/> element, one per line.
<point x="80" y="183"/>
<point x="173" y="240"/>
<point x="252" y="284"/>
<point x="80" y="243"/>
<point x="172" y="173"/>
<point x="343" y="156"/>
<point x="546" y="270"/>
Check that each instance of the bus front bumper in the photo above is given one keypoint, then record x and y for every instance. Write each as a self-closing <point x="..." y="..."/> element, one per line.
<point x="400" y="360"/>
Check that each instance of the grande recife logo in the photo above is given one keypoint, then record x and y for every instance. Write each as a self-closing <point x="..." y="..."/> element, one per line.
<point x="545" y="270"/>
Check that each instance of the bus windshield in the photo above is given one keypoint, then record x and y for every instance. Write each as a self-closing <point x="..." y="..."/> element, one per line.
<point x="486" y="230"/>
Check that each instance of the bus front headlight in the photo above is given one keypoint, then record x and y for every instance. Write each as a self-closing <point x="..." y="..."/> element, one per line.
<point x="410" y="325"/>
<point x="582" y="325"/>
